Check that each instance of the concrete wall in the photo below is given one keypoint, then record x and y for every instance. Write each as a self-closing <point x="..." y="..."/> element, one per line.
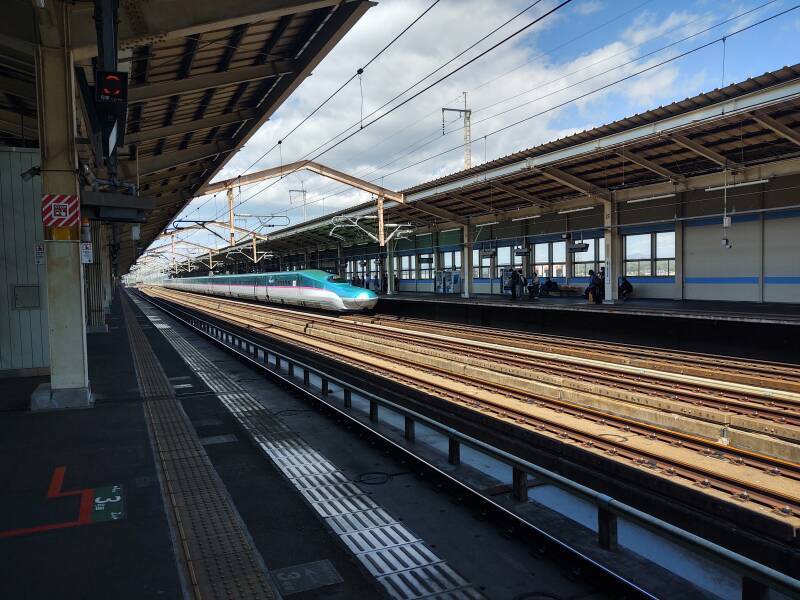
<point x="782" y="257"/>
<point x="23" y="295"/>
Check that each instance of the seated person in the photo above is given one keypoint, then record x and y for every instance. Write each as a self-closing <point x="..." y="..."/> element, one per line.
<point x="625" y="289"/>
<point x="589" y="287"/>
<point x="533" y="286"/>
<point x="548" y="286"/>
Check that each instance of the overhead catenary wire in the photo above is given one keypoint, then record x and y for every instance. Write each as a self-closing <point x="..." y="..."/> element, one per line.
<point x="428" y="139"/>
<point x="431" y="85"/>
<point x="357" y="73"/>
<point x="596" y="90"/>
<point x="359" y="123"/>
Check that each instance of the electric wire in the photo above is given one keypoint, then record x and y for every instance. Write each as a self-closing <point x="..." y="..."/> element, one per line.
<point x="596" y="90"/>
<point x="429" y="86"/>
<point x="332" y="95"/>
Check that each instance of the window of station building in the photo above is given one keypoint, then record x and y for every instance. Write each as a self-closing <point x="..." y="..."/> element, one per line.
<point x="481" y="265"/>
<point x="638" y="255"/>
<point x="650" y="254"/>
<point x="504" y="255"/>
<point x="408" y="267"/>
<point x="541" y="259"/>
<point x="451" y="260"/>
<point x="583" y="262"/>
<point x="665" y="254"/>
<point x="516" y="262"/>
<point x="558" y="264"/>
<point x="425" y="265"/>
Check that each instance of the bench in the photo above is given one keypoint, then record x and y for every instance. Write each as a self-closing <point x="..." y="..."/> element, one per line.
<point x="566" y="291"/>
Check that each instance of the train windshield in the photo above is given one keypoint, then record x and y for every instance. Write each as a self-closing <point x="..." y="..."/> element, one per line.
<point x="336" y="279"/>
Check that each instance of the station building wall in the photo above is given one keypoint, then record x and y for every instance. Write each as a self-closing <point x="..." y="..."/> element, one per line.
<point x="23" y="293"/>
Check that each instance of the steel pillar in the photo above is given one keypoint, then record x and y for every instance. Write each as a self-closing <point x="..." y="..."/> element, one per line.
<point x="391" y="291"/>
<point x="613" y="252"/>
<point x="93" y="274"/>
<point x="66" y="304"/>
<point x="466" y="263"/>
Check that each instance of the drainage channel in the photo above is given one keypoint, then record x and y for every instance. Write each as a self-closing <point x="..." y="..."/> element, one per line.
<point x="399" y="560"/>
<point x="756" y="578"/>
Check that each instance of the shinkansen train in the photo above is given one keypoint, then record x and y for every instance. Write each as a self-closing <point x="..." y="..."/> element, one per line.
<point x="312" y="288"/>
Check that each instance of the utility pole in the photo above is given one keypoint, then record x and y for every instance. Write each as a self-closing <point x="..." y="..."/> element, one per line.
<point x="302" y="193"/>
<point x="467" y="114"/>
<point x="231" y="229"/>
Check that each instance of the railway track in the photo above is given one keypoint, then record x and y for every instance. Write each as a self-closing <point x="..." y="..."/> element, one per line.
<point x="475" y="376"/>
<point x="774" y="375"/>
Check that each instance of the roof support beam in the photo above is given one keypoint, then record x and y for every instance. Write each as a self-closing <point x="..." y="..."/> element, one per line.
<point x="300" y="165"/>
<point x="471" y="202"/>
<point x="576" y="183"/>
<point x="17" y="87"/>
<point x="150" y="135"/>
<point x="437" y="212"/>
<point x="777" y="127"/>
<point x="162" y="162"/>
<point x="178" y="172"/>
<point x="650" y="165"/>
<point x="522" y="194"/>
<point x="706" y="153"/>
<point x="198" y="83"/>
<point x="14" y="123"/>
<point x="159" y="22"/>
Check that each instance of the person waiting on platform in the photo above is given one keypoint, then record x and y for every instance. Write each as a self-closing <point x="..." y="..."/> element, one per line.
<point x="597" y="287"/>
<point x="514" y="284"/>
<point x="625" y="289"/>
<point x="522" y="283"/>
<point x="548" y="286"/>
<point x="533" y="286"/>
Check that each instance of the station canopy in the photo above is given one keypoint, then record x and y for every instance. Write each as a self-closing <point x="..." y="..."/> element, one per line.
<point x="748" y="130"/>
<point x="203" y="77"/>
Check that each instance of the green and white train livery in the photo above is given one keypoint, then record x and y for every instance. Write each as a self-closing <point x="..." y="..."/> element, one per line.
<point x="311" y="287"/>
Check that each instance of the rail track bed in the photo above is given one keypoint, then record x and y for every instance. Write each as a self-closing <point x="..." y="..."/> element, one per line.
<point x="726" y="427"/>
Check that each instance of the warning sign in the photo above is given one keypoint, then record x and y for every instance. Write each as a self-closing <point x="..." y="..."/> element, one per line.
<point x="38" y="253"/>
<point x="60" y="210"/>
<point x="86" y="253"/>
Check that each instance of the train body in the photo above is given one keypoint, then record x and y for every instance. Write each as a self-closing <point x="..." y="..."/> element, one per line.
<point x="312" y="288"/>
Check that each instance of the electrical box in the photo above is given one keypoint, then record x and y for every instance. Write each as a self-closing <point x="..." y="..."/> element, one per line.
<point x="26" y="296"/>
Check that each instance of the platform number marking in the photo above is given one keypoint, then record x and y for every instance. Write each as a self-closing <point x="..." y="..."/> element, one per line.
<point x="109" y="504"/>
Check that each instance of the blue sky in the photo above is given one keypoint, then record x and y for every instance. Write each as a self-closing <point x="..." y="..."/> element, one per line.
<point x="584" y="39"/>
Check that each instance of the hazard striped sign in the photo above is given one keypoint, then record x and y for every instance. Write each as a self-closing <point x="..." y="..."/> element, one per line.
<point x="60" y="210"/>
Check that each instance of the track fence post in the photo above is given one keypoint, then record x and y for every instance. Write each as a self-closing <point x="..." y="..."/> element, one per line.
<point x="373" y="411"/>
<point x="519" y="484"/>
<point x="410" y="429"/>
<point x="453" y="451"/>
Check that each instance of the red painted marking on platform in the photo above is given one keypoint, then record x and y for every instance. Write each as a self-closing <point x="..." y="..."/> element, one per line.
<point x="54" y="491"/>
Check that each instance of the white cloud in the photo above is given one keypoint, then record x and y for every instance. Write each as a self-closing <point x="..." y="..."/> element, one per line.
<point x="589" y="7"/>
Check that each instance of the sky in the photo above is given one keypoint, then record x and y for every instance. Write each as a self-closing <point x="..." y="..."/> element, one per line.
<point x="538" y="75"/>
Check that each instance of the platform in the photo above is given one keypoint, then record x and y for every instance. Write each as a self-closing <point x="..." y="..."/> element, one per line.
<point x="255" y="523"/>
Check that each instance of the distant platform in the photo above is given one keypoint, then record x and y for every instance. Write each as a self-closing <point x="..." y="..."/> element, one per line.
<point x="746" y="312"/>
